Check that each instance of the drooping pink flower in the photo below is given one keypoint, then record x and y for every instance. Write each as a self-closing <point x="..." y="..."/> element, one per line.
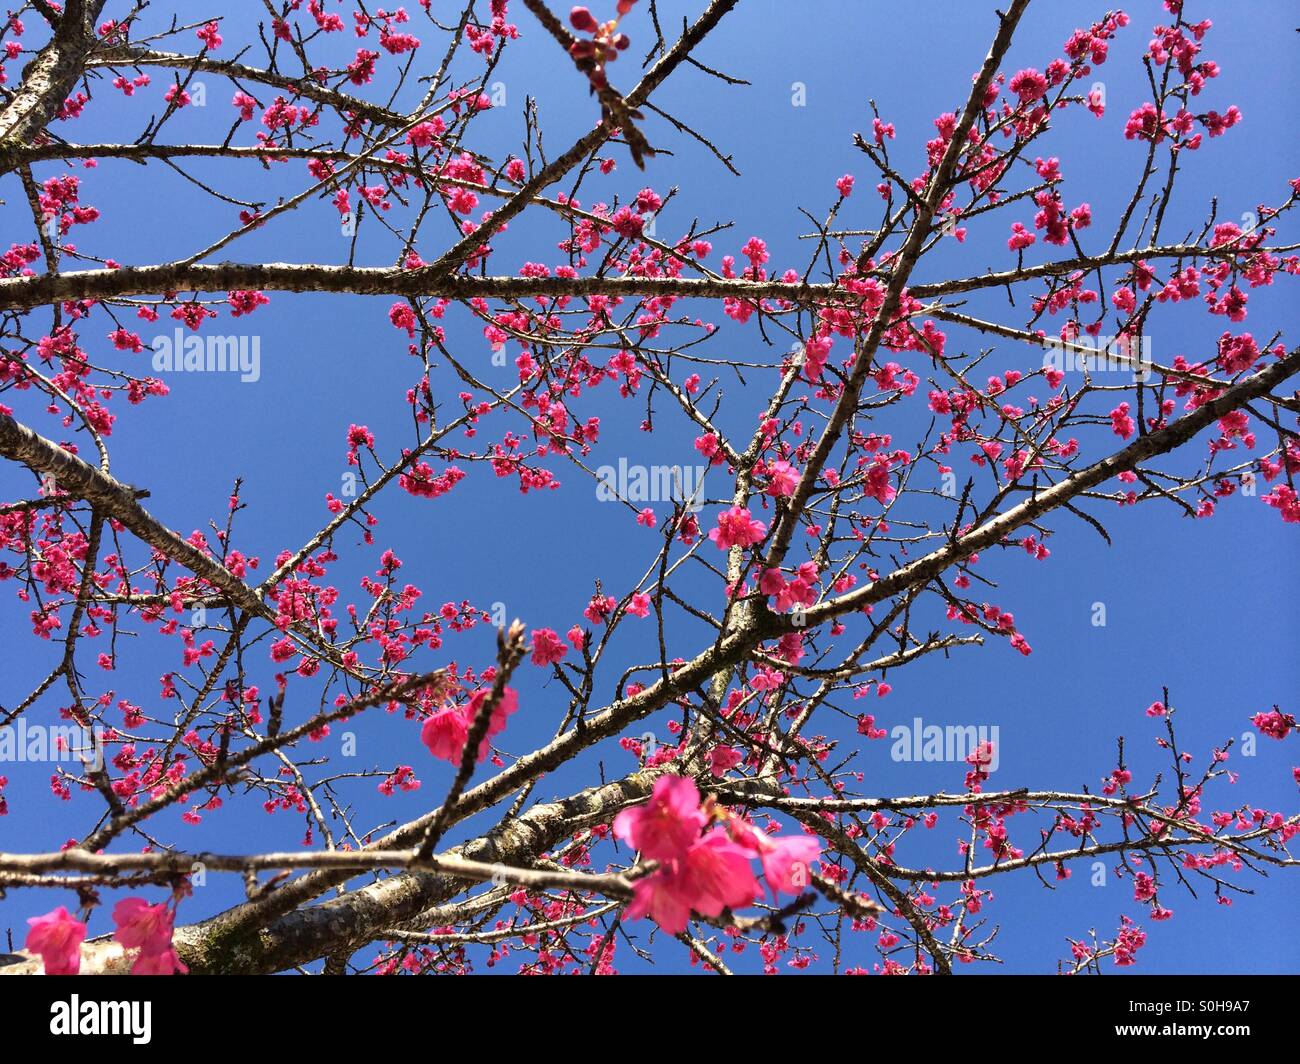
<point x="424" y="134"/>
<point x="245" y="302"/>
<point x="141" y="925"/>
<point x="659" y="897"/>
<point x="716" y="875"/>
<point x="164" y="962"/>
<point x="878" y="485"/>
<point x="147" y="928"/>
<point x="444" y="734"/>
<point x="599" y="608"/>
<point x="446" y="731"/>
<point x="246" y="104"/>
<point x="57" y="937"/>
<point x="787" y="862"/>
<point x="508" y="704"/>
<point x="1144" y="887"/>
<point x="664" y="827"/>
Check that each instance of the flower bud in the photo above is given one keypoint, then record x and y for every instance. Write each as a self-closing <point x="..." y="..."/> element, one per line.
<point x="582" y="20"/>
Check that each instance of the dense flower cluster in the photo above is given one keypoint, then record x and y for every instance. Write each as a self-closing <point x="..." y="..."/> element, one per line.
<point x="700" y="868"/>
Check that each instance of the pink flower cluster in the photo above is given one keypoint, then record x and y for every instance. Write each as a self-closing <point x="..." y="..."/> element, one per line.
<point x="1276" y="725"/>
<point x="57" y="937"/>
<point x="800" y="589"/>
<point x="737" y="527"/>
<point x="548" y="647"/>
<point x="446" y="732"/>
<point x="704" y="871"/>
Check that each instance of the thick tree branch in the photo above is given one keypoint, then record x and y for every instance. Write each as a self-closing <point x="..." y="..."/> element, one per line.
<point x="21" y="292"/>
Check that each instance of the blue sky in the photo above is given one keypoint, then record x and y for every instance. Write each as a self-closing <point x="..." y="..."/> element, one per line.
<point x="1205" y="608"/>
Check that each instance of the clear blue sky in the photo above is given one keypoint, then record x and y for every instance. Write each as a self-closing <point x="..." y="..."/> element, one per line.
<point x="1206" y="607"/>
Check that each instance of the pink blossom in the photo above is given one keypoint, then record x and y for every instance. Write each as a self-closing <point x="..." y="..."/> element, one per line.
<point x="1029" y="85"/>
<point x="1218" y="124"/>
<point x="501" y="712"/>
<point x="245" y="302"/>
<point x="1020" y="237"/>
<point x="57" y="937"/>
<point x="1284" y="499"/>
<point x="147" y="928"/>
<point x="665" y="827"/>
<point x="163" y="962"/>
<point x="1120" y="421"/>
<point x="246" y="104"/>
<point x="771" y="582"/>
<point x="208" y="34"/>
<point x="716" y="875"/>
<point x="1276" y="724"/>
<point x="403" y="317"/>
<point x="141" y="925"/>
<point x="737" y="527"/>
<point x="660" y="897"/>
<point x="445" y="733"/>
<point x="548" y="648"/>
<point x="787" y="862"/>
<point x="783" y="478"/>
<point x="723" y="758"/>
<point x="599" y="608"/>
